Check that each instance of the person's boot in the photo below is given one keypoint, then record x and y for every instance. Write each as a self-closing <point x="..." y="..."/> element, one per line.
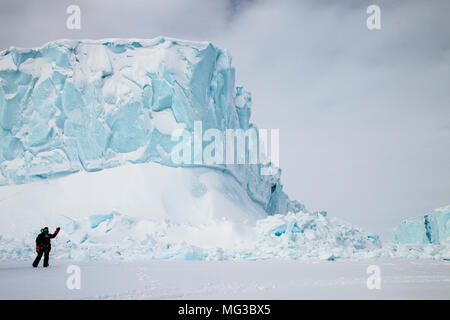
<point x="36" y="261"/>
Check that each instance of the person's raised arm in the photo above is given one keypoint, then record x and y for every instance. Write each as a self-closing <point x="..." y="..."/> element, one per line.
<point x="55" y="233"/>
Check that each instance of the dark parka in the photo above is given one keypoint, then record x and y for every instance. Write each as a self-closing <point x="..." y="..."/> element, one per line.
<point x="43" y="246"/>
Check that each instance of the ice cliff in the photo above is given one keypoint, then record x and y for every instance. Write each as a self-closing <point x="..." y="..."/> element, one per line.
<point x="73" y="106"/>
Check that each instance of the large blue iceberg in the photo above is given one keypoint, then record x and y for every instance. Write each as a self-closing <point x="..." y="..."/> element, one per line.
<point x="90" y="105"/>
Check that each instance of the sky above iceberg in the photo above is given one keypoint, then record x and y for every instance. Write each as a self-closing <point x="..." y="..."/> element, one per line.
<point x="364" y="116"/>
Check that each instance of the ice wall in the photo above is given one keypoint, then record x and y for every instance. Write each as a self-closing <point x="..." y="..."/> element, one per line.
<point x="90" y="105"/>
<point x="433" y="228"/>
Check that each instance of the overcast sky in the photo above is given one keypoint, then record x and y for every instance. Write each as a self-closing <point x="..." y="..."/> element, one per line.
<point x="364" y="116"/>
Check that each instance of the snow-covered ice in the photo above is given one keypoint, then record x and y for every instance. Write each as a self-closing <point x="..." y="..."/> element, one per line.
<point x="273" y="279"/>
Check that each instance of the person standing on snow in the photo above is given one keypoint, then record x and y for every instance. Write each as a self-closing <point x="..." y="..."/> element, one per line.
<point x="43" y="246"/>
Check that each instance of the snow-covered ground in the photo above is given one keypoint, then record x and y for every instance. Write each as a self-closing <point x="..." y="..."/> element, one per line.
<point x="270" y="279"/>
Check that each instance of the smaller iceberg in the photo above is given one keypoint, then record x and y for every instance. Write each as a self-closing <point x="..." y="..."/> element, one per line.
<point x="433" y="228"/>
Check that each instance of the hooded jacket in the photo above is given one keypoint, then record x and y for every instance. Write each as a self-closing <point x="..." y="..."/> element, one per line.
<point x="43" y="240"/>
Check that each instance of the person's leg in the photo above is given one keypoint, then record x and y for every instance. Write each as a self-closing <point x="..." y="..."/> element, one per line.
<point x="38" y="258"/>
<point x="46" y="258"/>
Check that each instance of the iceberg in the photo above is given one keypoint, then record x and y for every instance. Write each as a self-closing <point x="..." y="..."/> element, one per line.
<point x="433" y="228"/>
<point x="72" y="106"/>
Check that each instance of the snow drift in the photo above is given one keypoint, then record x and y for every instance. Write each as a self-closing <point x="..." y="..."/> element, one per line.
<point x="153" y="211"/>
